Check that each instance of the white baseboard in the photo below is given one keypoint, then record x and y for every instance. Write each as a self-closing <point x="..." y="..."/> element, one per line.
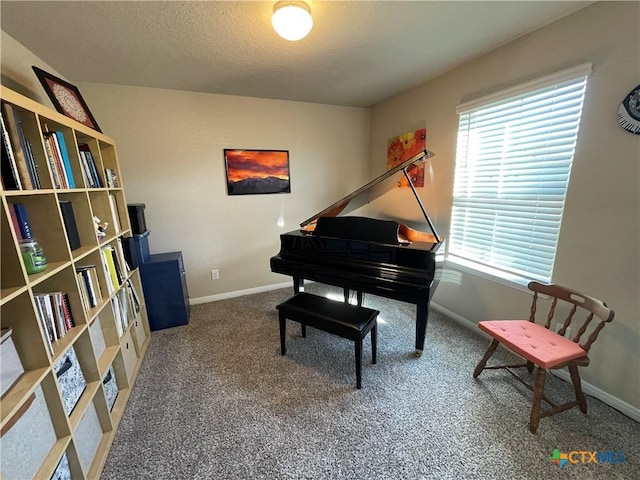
<point x="240" y="293"/>
<point x="623" y="407"/>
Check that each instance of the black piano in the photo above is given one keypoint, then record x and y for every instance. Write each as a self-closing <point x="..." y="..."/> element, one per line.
<point x="379" y="256"/>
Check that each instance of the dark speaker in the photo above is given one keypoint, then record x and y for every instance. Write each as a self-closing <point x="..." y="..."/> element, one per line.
<point x="136" y="217"/>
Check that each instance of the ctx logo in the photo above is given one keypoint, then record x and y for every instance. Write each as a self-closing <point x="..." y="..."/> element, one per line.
<point x="583" y="456"/>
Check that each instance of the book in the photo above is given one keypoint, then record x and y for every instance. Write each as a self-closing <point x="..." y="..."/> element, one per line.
<point x="9" y="171"/>
<point x="23" y="220"/>
<point x="45" y="327"/>
<point x="33" y="166"/>
<point x="66" y="309"/>
<point x="66" y="208"/>
<point x="116" y="264"/>
<point x="109" y="268"/>
<point x="60" y="321"/>
<point x="134" y="301"/>
<point x="117" y="315"/>
<point x="122" y="258"/>
<point x="15" y="221"/>
<point x="18" y="152"/>
<point x="66" y="162"/>
<point x="95" y="284"/>
<point x="114" y="213"/>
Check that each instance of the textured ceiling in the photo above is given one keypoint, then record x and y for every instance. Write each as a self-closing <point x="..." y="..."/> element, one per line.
<point x="358" y="53"/>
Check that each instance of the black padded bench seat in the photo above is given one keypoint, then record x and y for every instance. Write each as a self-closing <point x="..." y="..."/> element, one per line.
<point x="345" y="320"/>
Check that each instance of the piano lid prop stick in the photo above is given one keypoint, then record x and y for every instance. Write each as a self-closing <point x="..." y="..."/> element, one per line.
<point x="424" y="212"/>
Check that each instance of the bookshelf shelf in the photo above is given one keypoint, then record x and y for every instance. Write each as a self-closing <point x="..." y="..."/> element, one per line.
<point x="87" y="301"/>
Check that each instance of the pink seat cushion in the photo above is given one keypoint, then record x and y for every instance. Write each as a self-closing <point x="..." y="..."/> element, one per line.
<point x="533" y="342"/>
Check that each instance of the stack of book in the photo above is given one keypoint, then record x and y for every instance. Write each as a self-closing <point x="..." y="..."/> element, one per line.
<point x="90" y="292"/>
<point x="112" y="178"/>
<point x="134" y="301"/>
<point x="58" y="158"/>
<point x="89" y="169"/>
<point x="54" y="312"/>
<point x="19" y="169"/>
<point x="115" y="266"/>
<point x="120" y="311"/>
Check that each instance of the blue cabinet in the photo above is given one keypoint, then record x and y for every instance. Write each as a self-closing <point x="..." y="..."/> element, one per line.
<point x="165" y="290"/>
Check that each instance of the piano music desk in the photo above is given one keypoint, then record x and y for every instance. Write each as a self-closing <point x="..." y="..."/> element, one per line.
<point x="342" y="319"/>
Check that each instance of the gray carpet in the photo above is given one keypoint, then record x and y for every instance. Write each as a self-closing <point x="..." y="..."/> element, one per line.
<point x="215" y="400"/>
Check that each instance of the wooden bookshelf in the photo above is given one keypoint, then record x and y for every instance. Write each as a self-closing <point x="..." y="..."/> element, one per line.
<point x="84" y="436"/>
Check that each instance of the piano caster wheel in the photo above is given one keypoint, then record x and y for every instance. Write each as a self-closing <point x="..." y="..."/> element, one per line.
<point x="418" y="353"/>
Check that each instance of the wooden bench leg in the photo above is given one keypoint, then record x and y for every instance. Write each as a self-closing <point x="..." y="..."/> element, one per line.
<point x="303" y="329"/>
<point x="358" y="363"/>
<point x="283" y="332"/>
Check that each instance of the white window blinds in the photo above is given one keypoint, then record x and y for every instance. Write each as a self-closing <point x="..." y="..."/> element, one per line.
<point x="513" y="162"/>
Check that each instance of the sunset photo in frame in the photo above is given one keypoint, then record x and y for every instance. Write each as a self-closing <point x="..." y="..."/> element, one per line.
<point x="252" y="172"/>
<point x="66" y="98"/>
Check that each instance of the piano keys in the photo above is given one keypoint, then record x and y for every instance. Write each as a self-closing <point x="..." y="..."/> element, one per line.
<point x="367" y="255"/>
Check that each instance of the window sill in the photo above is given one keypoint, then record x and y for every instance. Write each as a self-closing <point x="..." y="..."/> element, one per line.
<point x="488" y="273"/>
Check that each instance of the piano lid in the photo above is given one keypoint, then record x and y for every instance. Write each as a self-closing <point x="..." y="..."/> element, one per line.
<point x="374" y="189"/>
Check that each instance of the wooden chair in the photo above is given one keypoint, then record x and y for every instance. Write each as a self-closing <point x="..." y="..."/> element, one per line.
<point x="545" y="349"/>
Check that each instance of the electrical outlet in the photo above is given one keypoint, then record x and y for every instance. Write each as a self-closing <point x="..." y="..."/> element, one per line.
<point x="215" y="274"/>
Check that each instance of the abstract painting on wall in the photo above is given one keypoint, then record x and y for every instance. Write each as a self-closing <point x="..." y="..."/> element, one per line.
<point x="251" y="172"/>
<point x="402" y="148"/>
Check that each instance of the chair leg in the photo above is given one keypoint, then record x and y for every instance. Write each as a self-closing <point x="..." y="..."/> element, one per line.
<point x="538" y="392"/>
<point x="487" y="355"/>
<point x="575" y="378"/>
<point x="530" y="366"/>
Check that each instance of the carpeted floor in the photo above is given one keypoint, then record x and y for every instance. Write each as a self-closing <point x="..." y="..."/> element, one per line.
<point x="216" y="400"/>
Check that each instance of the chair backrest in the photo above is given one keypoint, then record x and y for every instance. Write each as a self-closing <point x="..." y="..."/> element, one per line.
<point x="592" y="306"/>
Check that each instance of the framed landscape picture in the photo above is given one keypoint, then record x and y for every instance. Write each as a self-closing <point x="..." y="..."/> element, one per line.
<point x="66" y="98"/>
<point x="251" y="172"/>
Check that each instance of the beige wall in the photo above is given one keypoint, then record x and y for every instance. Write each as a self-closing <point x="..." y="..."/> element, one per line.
<point x="600" y="241"/>
<point x="170" y="146"/>
<point x="16" y="72"/>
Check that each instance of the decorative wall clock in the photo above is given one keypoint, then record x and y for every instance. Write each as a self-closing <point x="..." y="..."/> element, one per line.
<point x="629" y="111"/>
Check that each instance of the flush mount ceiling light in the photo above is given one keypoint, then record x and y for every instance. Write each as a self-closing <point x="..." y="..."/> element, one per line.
<point x="292" y="19"/>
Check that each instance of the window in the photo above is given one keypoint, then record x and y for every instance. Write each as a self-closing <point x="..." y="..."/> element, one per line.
<point x="514" y="156"/>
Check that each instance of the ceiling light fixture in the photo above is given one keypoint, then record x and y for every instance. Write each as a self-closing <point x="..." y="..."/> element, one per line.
<point x="292" y="19"/>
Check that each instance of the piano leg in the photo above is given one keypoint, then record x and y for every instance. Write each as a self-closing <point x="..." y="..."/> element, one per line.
<point x="421" y="327"/>
<point x="298" y="285"/>
<point x="359" y="297"/>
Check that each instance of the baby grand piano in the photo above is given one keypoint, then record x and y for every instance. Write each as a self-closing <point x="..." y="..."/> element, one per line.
<point x="367" y="255"/>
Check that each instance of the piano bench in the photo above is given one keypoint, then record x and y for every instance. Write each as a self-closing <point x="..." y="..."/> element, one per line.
<point x="341" y="319"/>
